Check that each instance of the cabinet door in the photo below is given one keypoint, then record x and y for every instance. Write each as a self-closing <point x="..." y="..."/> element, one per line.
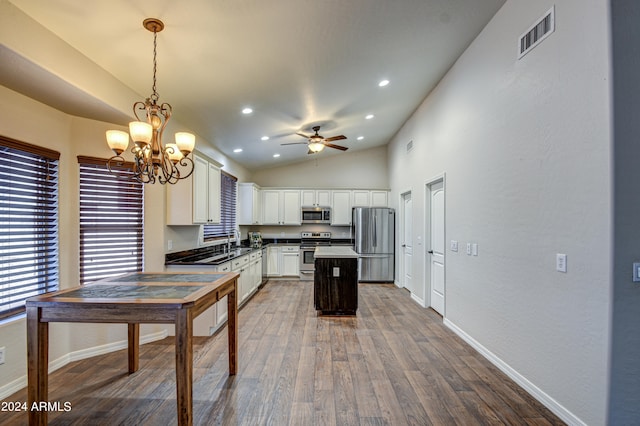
<point x="290" y="264"/>
<point x="271" y="207"/>
<point x="273" y="261"/>
<point x="213" y="194"/>
<point x="291" y="208"/>
<point x="323" y="197"/>
<point x="341" y="208"/>
<point x="308" y="197"/>
<point x="200" y="185"/>
<point x="361" y="198"/>
<point x="379" y="198"/>
<point x="255" y="213"/>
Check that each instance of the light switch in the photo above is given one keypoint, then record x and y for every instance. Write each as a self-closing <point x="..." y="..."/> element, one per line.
<point x="454" y="245"/>
<point x="561" y="262"/>
<point x="474" y="249"/>
<point x="636" y="272"/>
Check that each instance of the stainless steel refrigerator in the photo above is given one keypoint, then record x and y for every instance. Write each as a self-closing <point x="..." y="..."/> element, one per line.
<point x="374" y="231"/>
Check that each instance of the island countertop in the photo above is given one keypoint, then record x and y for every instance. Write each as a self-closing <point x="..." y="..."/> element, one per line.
<point x="335" y="252"/>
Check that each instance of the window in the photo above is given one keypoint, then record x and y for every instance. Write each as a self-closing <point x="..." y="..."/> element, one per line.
<point x="111" y="221"/>
<point x="227" y="223"/>
<point x="28" y="223"/>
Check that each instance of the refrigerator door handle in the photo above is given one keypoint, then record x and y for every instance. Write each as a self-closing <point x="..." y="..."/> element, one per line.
<point x="375" y="231"/>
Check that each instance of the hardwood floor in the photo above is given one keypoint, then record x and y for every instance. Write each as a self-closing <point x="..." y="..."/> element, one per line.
<point x="392" y="364"/>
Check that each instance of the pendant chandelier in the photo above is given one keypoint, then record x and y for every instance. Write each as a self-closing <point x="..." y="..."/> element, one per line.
<point x="153" y="161"/>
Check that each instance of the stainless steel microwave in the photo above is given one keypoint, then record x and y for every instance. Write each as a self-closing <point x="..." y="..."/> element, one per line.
<point x="316" y="215"/>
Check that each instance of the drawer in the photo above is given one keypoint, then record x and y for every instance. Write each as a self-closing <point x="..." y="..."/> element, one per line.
<point x="290" y="249"/>
<point x="239" y="262"/>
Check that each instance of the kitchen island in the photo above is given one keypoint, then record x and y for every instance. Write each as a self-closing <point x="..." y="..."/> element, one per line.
<point x="335" y="280"/>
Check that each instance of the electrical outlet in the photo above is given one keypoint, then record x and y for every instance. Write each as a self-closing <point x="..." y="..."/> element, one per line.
<point x="469" y="249"/>
<point x="561" y="262"/>
<point x="2" y="355"/>
<point x="170" y="245"/>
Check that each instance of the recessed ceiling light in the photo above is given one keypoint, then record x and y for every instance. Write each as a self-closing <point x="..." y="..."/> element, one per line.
<point x="360" y="138"/>
<point x="383" y="83"/>
<point x="265" y="138"/>
<point x="276" y="155"/>
<point x="237" y="150"/>
<point x="247" y="110"/>
<point x="369" y="117"/>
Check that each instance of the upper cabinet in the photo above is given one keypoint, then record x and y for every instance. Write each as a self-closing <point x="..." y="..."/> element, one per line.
<point x="281" y="207"/>
<point x="341" y="207"/>
<point x="316" y="197"/>
<point x="196" y="200"/>
<point x="249" y="204"/>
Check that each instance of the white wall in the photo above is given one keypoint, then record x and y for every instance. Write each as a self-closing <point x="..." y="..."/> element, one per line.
<point x="366" y="169"/>
<point x="525" y="145"/>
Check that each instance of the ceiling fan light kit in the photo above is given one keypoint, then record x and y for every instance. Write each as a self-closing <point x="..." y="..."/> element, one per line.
<point x="153" y="161"/>
<point x="316" y="143"/>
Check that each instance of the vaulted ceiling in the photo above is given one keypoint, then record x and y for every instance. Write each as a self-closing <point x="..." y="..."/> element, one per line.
<point x="296" y="63"/>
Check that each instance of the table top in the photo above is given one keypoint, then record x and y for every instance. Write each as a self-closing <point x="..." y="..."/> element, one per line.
<point x="139" y="288"/>
<point x="335" y="252"/>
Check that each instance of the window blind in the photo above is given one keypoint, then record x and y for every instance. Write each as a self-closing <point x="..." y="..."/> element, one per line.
<point x="227" y="225"/>
<point x="111" y="221"/>
<point x="28" y="223"/>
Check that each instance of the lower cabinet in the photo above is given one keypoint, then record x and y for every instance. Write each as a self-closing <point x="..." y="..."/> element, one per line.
<point x="283" y="261"/>
<point x="336" y="286"/>
<point x="250" y="268"/>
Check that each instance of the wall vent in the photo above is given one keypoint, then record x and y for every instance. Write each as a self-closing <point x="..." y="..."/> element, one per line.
<point x="409" y="146"/>
<point x="536" y="33"/>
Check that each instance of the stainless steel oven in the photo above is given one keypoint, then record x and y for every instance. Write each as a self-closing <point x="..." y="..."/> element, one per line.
<point x="308" y="243"/>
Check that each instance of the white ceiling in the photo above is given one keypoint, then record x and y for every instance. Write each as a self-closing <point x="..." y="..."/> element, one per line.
<point x="295" y="62"/>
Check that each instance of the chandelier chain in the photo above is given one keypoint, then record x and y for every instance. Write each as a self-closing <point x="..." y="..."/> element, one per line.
<point x="154" y="95"/>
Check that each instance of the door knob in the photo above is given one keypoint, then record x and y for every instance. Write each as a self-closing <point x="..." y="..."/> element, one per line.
<point x="430" y="252"/>
<point x="404" y="245"/>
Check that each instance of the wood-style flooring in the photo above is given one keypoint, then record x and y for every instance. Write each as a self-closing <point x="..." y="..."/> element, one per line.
<point x="393" y="364"/>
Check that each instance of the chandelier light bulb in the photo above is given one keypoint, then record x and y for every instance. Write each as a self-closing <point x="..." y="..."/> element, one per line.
<point x="117" y="140"/>
<point x="185" y="142"/>
<point x="141" y="133"/>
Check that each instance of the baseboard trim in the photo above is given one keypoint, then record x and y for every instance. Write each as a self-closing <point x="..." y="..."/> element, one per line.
<point x="418" y="300"/>
<point x="21" y="382"/>
<point x="546" y="400"/>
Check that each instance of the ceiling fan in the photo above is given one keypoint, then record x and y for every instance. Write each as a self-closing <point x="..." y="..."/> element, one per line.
<point x="316" y="142"/>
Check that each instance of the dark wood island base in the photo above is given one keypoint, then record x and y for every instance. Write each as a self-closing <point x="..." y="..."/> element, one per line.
<point x="336" y="282"/>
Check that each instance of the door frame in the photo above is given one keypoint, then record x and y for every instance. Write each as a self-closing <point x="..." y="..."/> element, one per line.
<point x="426" y="273"/>
<point x="399" y="282"/>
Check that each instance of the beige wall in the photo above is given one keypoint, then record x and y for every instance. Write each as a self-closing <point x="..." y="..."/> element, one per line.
<point x="365" y="169"/>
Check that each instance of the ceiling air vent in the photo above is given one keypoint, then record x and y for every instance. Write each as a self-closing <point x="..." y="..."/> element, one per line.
<point x="409" y="146"/>
<point x="536" y="33"/>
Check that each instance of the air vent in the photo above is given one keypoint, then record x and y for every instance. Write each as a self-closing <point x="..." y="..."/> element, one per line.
<point x="409" y="146"/>
<point x="536" y="33"/>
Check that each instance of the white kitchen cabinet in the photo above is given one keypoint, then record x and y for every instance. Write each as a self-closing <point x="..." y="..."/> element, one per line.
<point x="249" y="205"/>
<point x="379" y="198"/>
<point x="281" y="207"/>
<point x="290" y="256"/>
<point x="273" y="261"/>
<point x="255" y="270"/>
<point x="361" y="198"/>
<point x="196" y="200"/>
<point x="341" y="207"/>
<point x="222" y="309"/>
<point x="241" y="265"/>
<point x="315" y="197"/>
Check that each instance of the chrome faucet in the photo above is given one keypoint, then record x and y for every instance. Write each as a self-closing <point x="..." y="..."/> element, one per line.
<point x="236" y="235"/>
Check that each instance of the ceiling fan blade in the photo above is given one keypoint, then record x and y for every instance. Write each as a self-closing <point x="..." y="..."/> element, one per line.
<point x="341" y="148"/>
<point x="304" y="136"/>
<point x="335" y="138"/>
<point x="294" y="143"/>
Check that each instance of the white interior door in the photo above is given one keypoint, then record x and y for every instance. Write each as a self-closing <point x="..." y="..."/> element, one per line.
<point x="407" y="241"/>
<point x="435" y="255"/>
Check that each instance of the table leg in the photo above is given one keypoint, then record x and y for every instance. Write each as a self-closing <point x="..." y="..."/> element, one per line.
<point x="134" y="346"/>
<point x="184" y="366"/>
<point x="232" y="328"/>
<point x="37" y="365"/>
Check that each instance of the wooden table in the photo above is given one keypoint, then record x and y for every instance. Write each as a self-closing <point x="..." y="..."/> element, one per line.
<point x="158" y="298"/>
